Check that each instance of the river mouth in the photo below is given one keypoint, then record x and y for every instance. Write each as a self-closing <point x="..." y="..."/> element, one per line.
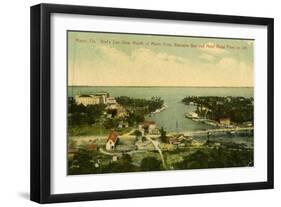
<point x="187" y="143"/>
<point x="173" y="118"/>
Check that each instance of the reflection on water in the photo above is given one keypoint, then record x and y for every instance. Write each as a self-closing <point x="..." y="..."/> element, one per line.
<point x="172" y="119"/>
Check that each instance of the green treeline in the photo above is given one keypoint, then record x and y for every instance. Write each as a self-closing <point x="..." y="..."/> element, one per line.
<point x="85" y="120"/>
<point x="233" y="155"/>
<point x="150" y="105"/>
<point x="217" y="158"/>
<point x="85" y="162"/>
<point x="238" y="109"/>
<point x="83" y="115"/>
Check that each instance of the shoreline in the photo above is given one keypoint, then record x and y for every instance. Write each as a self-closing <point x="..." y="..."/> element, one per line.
<point x="164" y="107"/>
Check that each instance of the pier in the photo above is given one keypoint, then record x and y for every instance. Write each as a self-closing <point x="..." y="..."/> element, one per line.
<point x="219" y="131"/>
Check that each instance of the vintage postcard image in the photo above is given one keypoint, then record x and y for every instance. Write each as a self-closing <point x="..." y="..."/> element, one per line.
<point x="143" y="102"/>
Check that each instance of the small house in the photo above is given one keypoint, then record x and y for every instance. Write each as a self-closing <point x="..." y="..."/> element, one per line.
<point x="111" y="141"/>
<point x="123" y="124"/>
<point x="176" y="139"/>
<point x="114" y="158"/>
<point x="149" y="126"/>
<point x="224" y="121"/>
<point x="111" y="100"/>
<point x="91" y="147"/>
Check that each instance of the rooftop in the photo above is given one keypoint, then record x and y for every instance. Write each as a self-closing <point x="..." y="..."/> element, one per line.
<point x="113" y="136"/>
<point x="85" y="95"/>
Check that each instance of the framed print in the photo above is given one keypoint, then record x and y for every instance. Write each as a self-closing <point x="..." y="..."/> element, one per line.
<point x="133" y="103"/>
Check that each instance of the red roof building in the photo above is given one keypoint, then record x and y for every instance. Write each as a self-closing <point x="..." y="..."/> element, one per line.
<point x="113" y="136"/>
<point x="92" y="147"/>
<point x="111" y="141"/>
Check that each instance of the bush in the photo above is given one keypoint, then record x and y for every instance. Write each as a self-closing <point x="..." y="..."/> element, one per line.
<point x="150" y="164"/>
<point x="217" y="158"/>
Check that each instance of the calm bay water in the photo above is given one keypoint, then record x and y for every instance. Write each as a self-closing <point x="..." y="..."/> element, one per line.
<point x="172" y="119"/>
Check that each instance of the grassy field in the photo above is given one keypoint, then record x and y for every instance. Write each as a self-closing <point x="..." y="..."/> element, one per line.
<point x="86" y="130"/>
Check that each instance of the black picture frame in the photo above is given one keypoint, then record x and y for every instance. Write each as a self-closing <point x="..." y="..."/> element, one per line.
<point x="41" y="95"/>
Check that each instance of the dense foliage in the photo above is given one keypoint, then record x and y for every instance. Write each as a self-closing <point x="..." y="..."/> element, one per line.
<point x="151" y="105"/>
<point x="238" y="109"/>
<point x="84" y="162"/>
<point x="227" y="155"/>
<point x="135" y="118"/>
<point x="163" y="136"/>
<point x="150" y="164"/>
<point x="78" y="114"/>
<point x="138" y="108"/>
<point x="217" y="158"/>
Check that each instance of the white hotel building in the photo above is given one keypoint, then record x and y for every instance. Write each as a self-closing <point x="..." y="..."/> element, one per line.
<point x="87" y="99"/>
<point x="98" y="98"/>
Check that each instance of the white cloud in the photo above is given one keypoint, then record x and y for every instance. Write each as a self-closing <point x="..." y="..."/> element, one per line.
<point x="144" y="67"/>
<point x="113" y="54"/>
<point x="207" y="57"/>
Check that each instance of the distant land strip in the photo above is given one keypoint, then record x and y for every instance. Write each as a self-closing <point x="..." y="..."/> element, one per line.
<point x="165" y="86"/>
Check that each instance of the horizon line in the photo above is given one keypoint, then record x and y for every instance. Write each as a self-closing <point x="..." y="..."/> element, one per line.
<point x="164" y="86"/>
